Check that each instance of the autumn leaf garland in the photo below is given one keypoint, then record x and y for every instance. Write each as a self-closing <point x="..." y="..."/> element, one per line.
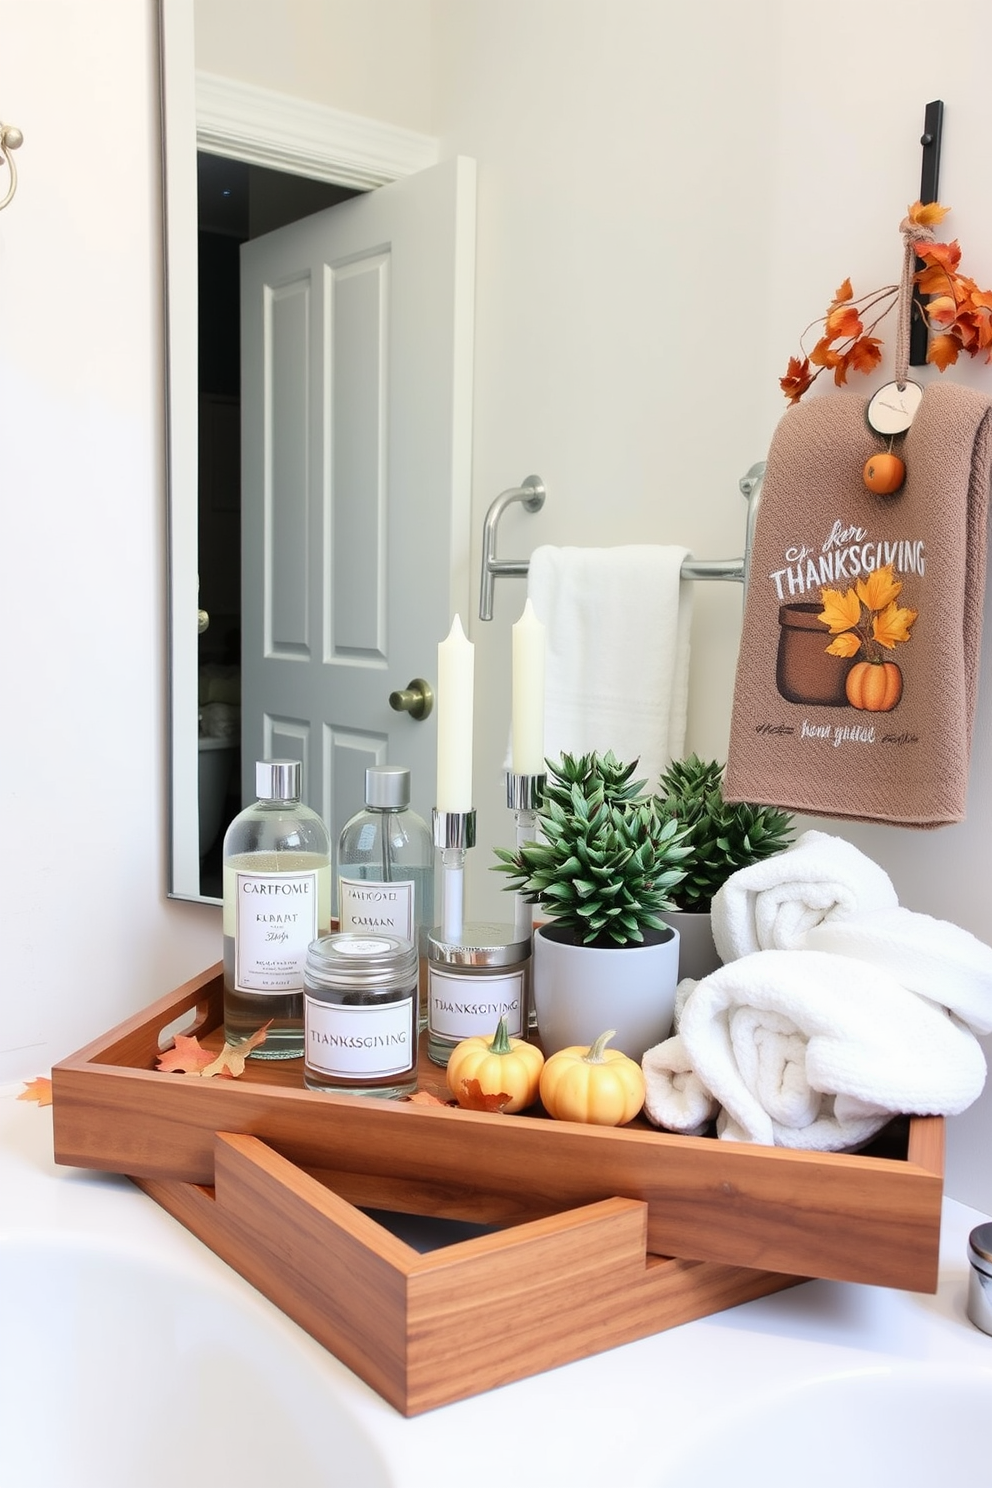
<point x="958" y="314"/>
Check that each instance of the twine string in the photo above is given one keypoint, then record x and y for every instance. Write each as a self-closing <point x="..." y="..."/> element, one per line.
<point x="912" y="233"/>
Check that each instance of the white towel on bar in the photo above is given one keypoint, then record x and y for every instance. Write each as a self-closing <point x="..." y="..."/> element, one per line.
<point x="816" y="1051"/>
<point x="772" y="905"/>
<point x="617" y="668"/>
<point x="934" y="958"/>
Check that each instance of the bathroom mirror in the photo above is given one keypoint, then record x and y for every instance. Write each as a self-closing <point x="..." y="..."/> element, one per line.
<point x="365" y="496"/>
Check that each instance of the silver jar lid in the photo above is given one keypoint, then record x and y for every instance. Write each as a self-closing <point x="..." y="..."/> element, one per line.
<point x="980" y="1248"/>
<point x="344" y="959"/>
<point x="278" y="780"/>
<point x="387" y="787"/>
<point x="479" y="945"/>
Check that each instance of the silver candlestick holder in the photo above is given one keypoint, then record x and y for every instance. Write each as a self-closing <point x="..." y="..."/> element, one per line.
<point x="523" y="796"/>
<point x="454" y="832"/>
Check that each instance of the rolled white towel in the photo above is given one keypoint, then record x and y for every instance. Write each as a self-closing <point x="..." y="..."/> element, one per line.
<point x="818" y="1051"/>
<point x="934" y="958"/>
<point x="675" y="1097"/>
<point x="772" y="905"/>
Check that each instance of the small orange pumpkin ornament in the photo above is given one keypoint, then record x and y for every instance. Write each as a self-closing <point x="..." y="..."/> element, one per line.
<point x="875" y="686"/>
<point x="884" y="473"/>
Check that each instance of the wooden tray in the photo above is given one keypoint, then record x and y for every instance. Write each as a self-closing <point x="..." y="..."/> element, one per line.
<point x="866" y="1218"/>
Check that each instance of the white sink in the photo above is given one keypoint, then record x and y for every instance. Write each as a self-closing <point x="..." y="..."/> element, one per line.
<point x="131" y="1357"/>
<point x="890" y="1426"/>
<point x="117" y="1371"/>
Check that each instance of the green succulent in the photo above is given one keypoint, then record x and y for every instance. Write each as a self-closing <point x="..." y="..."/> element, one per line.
<point x="608" y="859"/>
<point x="723" y="837"/>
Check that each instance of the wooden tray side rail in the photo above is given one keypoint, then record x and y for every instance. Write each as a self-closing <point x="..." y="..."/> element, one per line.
<point x="426" y="1330"/>
<point x="844" y="1217"/>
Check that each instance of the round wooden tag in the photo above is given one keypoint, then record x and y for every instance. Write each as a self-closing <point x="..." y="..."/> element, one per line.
<point x="893" y="408"/>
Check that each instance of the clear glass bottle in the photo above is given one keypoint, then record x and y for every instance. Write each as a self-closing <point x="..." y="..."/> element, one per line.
<point x="386" y="866"/>
<point x="361" y="1015"/>
<point x="277" y="899"/>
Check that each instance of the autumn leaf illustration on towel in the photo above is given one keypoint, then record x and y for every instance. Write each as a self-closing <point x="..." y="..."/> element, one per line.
<point x="869" y="620"/>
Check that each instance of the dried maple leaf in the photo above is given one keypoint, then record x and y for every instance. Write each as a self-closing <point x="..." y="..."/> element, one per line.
<point x="943" y="352"/>
<point x="844" y="321"/>
<point x="39" y="1090"/>
<point x="185" y="1057"/>
<point x="797" y="379"/>
<point x="843" y="294"/>
<point x="880" y="588"/>
<point x="473" y="1098"/>
<point x="425" y="1098"/>
<point x="230" y="1062"/>
<point x="865" y="354"/>
<point x="927" y="214"/>
<point x="848" y="644"/>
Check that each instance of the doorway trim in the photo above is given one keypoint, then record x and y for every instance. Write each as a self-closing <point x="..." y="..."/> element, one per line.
<point x="245" y="122"/>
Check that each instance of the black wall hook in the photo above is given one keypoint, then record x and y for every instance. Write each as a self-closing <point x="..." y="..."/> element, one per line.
<point x="929" y="185"/>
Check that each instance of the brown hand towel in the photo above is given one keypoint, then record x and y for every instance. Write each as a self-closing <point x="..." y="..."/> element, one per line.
<point x="858" y="667"/>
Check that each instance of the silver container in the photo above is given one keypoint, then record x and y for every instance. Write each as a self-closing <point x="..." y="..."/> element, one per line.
<point x="980" y="1277"/>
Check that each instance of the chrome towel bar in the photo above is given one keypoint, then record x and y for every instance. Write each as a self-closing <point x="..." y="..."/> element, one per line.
<point x="532" y="493"/>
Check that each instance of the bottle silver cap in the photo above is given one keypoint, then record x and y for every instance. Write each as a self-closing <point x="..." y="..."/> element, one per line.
<point x="387" y="787"/>
<point x="278" y="780"/>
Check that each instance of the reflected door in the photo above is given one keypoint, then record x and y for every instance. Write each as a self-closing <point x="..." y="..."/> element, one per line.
<point x="356" y="348"/>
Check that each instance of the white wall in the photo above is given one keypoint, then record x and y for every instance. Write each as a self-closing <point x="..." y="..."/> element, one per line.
<point x="89" y="935"/>
<point x="667" y="196"/>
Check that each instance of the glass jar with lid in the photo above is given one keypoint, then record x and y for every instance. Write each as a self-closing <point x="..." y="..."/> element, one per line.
<point x="360" y="1006"/>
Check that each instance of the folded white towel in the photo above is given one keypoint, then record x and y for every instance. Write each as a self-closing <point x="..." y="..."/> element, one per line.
<point x="934" y="958"/>
<point x="772" y="905"/>
<point x="816" y="1051"/>
<point x="617" y="663"/>
<point x="674" y="1095"/>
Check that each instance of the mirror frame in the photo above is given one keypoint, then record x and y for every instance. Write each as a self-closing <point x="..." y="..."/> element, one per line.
<point x="200" y="111"/>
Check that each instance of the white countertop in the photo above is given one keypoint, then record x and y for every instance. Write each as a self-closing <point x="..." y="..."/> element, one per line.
<point x="643" y="1414"/>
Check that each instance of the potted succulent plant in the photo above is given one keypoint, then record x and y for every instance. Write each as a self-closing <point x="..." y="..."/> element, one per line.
<point x="722" y="837"/>
<point x="604" y="870"/>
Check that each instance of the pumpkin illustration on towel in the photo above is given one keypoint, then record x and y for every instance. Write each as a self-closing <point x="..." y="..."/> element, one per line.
<point x="868" y="620"/>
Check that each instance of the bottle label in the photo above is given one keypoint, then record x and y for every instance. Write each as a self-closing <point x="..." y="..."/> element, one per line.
<point x="371" y="1042"/>
<point x="365" y="906"/>
<point x="463" y="1004"/>
<point x="276" y="921"/>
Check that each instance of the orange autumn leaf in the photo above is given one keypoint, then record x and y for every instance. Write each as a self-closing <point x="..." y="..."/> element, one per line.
<point x="844" y="293"/>
<point x="943" y="352"/>
<point x="425" y="1098"/>
<point x="844" y="321"/>
<point x="796" y="380"/>
<point x="474" y="1098"/>
<point x="848" y="644"/>
<point x="38" y="1090"/>
<point x="942" y="309"/>
<point x="865" y="354"/>
<point x="823" y="354"/>
<point x="230" y="1062"/>
<point x="840" y="611"/>
<point x="947" y="255"/>
<point x="879" y="588"/>
<point x="892" y="626"/>
<point x="186" y="1057"/>
<point x="927" y="214"/>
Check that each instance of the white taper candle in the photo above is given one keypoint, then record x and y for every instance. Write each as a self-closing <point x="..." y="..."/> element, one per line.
<point x="527" y="742"/>
<point x="455" y="700"/>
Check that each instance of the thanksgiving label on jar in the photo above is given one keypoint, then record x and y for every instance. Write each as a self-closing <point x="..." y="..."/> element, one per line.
<point x="845" y="606"/>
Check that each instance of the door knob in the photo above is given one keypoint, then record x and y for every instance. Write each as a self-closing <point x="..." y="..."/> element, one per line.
<point x="417" y="699"/>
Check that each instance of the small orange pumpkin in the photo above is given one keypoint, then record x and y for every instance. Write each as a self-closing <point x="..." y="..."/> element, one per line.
<point x="875" y="686"/>
<point x="884" y="473"/>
